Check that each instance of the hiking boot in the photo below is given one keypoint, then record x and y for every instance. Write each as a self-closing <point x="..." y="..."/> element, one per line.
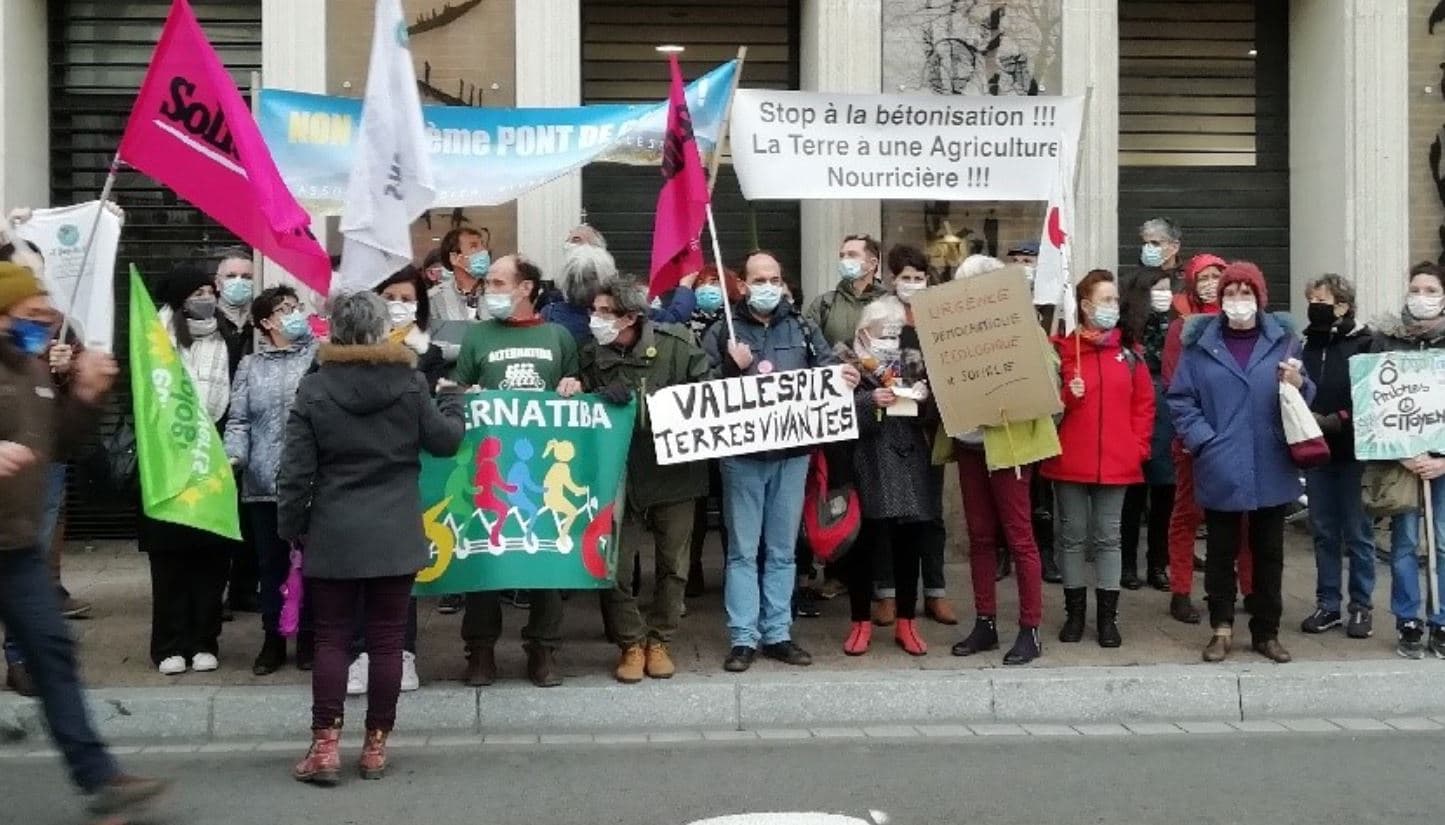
<point x="1220" y="645"/>
<point x="373" y="755"/>
<point x="18" y="679"/>
<point x="788" y="653"/>
<point x="1159" y="579"/>
<point x="272" y="655"/>
<point x="1320" y="621"/>
<point x="805" y="603"/>
<point x="124" y="796"/>
<point x="984" y="637"/>
<point x="1107" y="618"/>
<point x="481" y="667"/>
<point x="631" y="665"/>
<point x="322" y="763"/>
<point x="542" y="666"/>
<point x="1075" y="603"/>
<point x="885" y="611"/>
<point x="940" y="610"/>
<point x="659" y="662"/>
<point x="1411" y="644"/>
<point x="860" y="636"/>
<point x="1182" y="608"/>
<point x="451" y="604"/>
<point x="1027" y="647"/>
<point x="1361" y="624"/>
<point x="73" y="608"/>
<point x="739" y="659"/>
<point x="1437" y="641"/>
<point x="906" y="635"/>
<point x="1274" y="651"/>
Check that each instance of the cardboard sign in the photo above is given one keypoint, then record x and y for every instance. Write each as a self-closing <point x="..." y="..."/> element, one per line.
<point x="751" y="414"/>
<point x="1399" y="400"/>
<point x="987" y="358"/>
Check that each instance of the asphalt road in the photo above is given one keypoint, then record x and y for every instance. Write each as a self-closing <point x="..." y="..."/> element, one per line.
<point x="1239" y="778"/>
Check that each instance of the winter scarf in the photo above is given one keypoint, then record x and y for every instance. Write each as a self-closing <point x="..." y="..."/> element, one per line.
<point x="208" y="363"/>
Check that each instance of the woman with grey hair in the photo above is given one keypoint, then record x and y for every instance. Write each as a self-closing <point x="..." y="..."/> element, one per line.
<point x="586" y="271"/>
<point x="351" y="466"/>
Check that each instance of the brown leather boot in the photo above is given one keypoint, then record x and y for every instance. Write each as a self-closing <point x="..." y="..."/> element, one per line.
<point x="373" y="755"/>
<point x="885" y="612"/>
<point x="1218" y="648"/>
<point x="542" y="666"/>
<point x="630" y="665"/>
<point x="940" y="610"/>
<point x="659" y="662"/>
<point x="1271" y="649"/>
<point x="481" y="667"/>
<point x="322" y="765"/>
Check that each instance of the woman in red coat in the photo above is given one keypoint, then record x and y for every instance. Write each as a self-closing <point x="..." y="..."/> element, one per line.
<point x="1105" y="433"/>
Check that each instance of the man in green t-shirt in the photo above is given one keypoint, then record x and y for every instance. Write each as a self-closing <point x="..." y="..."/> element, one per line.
<point x="515" y="350"/>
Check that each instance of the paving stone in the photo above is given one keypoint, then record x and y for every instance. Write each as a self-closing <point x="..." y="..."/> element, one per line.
<point x="1035" y="729"/>
<point x="997" y="729"/>
<point x="1310" y="725"/>
<point x="1361" y="725"/>
<point x="784" y="733"/>
<point x="620" y="739"/>
<point x="675" y="736"/>
<point x="1413" y="723"/>
<point x="729" y="735"/>
<point x="510" y="739"/>
<point x="1153" y="728"/>
<point x="891" y="732"/>
<point x="946" y="731"/>
<point x="1206" y="727"/>
<point x="567" y="739"/>
<point x="1258" y="726"/>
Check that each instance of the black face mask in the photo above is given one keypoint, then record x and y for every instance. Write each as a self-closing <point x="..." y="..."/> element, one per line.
<point x="1322" y="316"/>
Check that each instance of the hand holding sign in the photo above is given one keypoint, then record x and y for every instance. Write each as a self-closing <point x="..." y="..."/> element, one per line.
<point x="742" y="356"/>
<point x="1076" y="386"/>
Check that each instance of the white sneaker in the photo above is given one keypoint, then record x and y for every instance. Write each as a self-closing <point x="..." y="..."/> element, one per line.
<point x="204" y="663"/>
<point x="357" y="674"/>
<point x="409" y="679"/>
<point x="173" y="666"/>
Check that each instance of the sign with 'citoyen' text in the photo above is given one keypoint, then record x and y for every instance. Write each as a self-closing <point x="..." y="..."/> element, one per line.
<point x="751" y="414"/>
<point x="1399" y="404"/>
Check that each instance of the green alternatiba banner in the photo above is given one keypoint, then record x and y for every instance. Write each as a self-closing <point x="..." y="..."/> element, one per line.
<point x="530" y="501"/>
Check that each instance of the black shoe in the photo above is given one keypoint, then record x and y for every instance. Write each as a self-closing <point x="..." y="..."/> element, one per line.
<point x="1361" y="624"/>
<point x="695" y="586"/>
<point x="1107" y="618"/>
<point x="788" y="653"/>
<point x="227" y="615"/>
<point x="1005" y="564"/>
<point x="1412" y="640"/>
<point x="271" y="657"/>
<point x="805" y="603"/>
<point x="1052" y="575"/>
<point x="305" y="650"/>
<point x="1076" y="601"/>
<point x="1130" y="580"/>
<point x="739" y="659"/>
<point x="1159" y="579"/>
<point x="1027" y="647"/>
<point x="1437" y="641"/>
<point x="451" y="604"/>
<point x="1183" y="610"/>
<point x="983" y="637"/>
<point x="1320" y="621"/>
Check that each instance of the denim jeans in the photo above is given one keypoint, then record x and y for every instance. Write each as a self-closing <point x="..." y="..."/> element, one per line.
<point x="762" y="501"/>
<point x="1337" y="514"/>
<point x="1405" y="589"/>
<point x="30" y="608"/>
<point x="1088" y="516"/>
<point x="49" y="519"/>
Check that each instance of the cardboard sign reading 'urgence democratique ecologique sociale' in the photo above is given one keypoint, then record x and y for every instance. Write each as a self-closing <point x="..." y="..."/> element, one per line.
<point x="531" y="499"/>
<point x="987" y="358"/>
<point x="751" y="414"/>
<point x="1399" y="404"/>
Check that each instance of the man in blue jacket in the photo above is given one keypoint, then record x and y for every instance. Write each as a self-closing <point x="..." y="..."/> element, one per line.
<point x="763" y="492"/>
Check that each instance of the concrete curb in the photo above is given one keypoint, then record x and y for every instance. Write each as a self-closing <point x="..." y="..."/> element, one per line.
<point x="796" y="699"/>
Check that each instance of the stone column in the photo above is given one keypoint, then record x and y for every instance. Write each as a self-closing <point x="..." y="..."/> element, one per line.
<point x="25" y="104"/>
<point x="549" y="73"/>
<point x="1090" y="66"/>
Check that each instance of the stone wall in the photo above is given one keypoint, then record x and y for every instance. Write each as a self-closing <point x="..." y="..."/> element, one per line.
<point x="1427" y="130"/>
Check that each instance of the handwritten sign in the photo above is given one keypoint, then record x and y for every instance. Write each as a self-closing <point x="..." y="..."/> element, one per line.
<point x="987" y="357"/>
<point x="1399" y="404"/>
<point x="751" y="414"/>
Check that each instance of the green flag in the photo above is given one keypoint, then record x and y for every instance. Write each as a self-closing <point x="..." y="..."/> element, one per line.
<point x="184" y="475"/>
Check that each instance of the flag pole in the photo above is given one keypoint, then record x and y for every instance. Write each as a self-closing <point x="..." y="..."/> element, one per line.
<point x="89" y="244"/>
<point x="722" y="136"/>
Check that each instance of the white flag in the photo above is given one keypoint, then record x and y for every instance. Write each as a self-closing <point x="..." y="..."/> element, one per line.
<point x="1053" y="278"/>
<point x="391" y="181"/>
<point x="61" y="235"/>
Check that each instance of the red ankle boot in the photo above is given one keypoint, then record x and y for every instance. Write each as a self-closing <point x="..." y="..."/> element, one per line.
<point x="906" y="634"/>
<point x="373" y="755"/>
<point x="859" y="637"/>
<point x="322" y="765"/>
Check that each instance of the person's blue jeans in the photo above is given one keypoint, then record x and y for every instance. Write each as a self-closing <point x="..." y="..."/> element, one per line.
<point x="30" y="608"/>
<point x="1337" y="514"/>
<point x="49" y="519"/>
<point x="762" y="501"/>
<point x="1405" y="589"/>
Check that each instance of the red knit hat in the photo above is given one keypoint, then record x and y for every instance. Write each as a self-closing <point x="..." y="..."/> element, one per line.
<point x="1244" y="272"/>
<point x="1201" y="261"/>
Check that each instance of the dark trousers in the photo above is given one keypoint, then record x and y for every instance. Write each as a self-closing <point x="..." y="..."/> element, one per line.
<point x="30" y="609"/>
<point x="273" y="555"/>
<point x="358" y="640"/>
<point x="482" y="624"/>
<point x="902" y="542"/>
<point x="246" y="559"/>
<point x="187" y="586"/>
<point x="334" y="603"/>
<point x="1266" y="540"/>
<point x="1158" y="502"/>
<point x="931" y="558"/>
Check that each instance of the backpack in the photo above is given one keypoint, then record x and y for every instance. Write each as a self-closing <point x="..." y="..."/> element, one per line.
<point x="832" y="515"/>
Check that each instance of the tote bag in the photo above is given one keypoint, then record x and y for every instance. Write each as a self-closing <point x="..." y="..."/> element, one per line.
<point x="1306" y="442"/>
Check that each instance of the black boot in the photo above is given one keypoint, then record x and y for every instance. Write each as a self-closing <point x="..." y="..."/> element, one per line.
<point x="1108" y="618"/>
<point x="1159" y="579"/>
<point x="1130" y="580"/>
<point x="1076" y="601"/>
<point x="272" y="655"/>
<point x="984" y="637"/>
<point x="1026" y="648"/>
<point x="1051" y="566"/>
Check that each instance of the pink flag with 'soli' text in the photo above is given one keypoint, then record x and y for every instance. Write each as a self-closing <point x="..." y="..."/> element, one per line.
<point x="683" y="199"/>
<point x="191" y="130"/>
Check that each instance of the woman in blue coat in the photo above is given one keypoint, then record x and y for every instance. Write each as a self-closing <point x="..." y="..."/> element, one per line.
<point x="1225" y="403"/>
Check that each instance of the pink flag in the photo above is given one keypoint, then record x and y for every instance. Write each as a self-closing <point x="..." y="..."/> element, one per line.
<point x="682" y="203"/>
<point x="191" y="131"/>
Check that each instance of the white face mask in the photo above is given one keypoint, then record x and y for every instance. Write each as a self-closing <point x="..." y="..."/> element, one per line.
<point x="402" y="313"/>
<point x="604" y="330"/>
<point x="1425" y="307"/>
<point x="1240" y="311"/>
<point x="1160" y="299"/>
<point x="907" y="289"/>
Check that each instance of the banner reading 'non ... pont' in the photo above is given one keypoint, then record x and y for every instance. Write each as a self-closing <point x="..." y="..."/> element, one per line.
<point x="814" y="145"/>
<point x="1399" y="401"/>
<point x="530" y="499"/>
<point x="481" y="156"/>
<point x="751" y="414"/>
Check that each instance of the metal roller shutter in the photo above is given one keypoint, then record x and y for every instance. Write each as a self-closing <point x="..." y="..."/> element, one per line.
<point x="99" y="52"/>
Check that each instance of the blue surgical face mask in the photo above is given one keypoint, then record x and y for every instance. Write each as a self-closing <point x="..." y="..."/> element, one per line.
<point x="1105" y="317"/>
<point x="850" y="269"/>
<point x="499" y="305"/>
<point x="237" y="292"/>
<point x="1151" y="255"/>
<point x="30" y="337"/>
<point x="295" y="327"/>
<point x="709" y="298"/>
<point x="764" y="298"/>
<point x="479" y="262"/>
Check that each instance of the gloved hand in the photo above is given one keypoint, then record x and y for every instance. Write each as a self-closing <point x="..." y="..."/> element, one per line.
<point x="1330" y="424"/>
<point x="616" y="394"/>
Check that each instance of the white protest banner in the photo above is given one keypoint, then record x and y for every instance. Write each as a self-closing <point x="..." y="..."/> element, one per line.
<point x="809" y="145"/>
<point x="1399" y="404"/>
<point x="987" y="357"/>
<point x="751" y="414"/>
<point x="61" y="235"/>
